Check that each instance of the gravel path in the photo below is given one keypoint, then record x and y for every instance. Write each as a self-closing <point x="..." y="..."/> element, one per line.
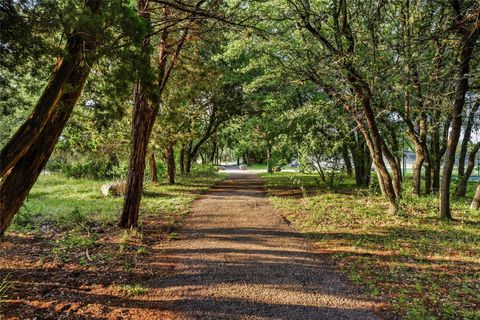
<point x="238" y="259"/>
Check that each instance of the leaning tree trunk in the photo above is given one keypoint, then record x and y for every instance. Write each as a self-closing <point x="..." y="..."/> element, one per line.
<point x="19" y="178"/>
<point x="468" y="45"/>
<point x="153" y="167"/>
<point x="377" y="149"/>
<point x="18" y="181"/>
<point x="59" y="84"/>
<point x="461" y="189"/>
<point x="170" y="160"/>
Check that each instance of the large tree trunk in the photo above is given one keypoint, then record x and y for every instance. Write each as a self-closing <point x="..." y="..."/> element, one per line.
<point x="170" y="159"/>
<point x="18" y="181"/>
<point x="461" y="189"/>
<point x="20" y="177"/>
<point x="144" y="115"/>
<point x="79" y="44"/>
<point x="468" y="45"/>
<point x="142" y="125"/>
<point x="153" y="167"/>
<point x="143" y="119"/>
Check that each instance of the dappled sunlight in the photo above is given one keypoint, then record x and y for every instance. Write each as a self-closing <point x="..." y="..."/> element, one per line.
<point x="414" y="251"/>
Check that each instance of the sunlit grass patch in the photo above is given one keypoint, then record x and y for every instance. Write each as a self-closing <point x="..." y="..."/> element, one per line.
<point x="58" y="202"/>
<point x="425" y="267"/>
<point x="134" y="289"/>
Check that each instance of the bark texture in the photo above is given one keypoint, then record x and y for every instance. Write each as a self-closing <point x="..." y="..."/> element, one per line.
<point x="467" y="46"/>
<point x="153" y="167"/>
<point x="20" y="177"/>
<point x="461" y="189"/>
<point x="170" y="159"/>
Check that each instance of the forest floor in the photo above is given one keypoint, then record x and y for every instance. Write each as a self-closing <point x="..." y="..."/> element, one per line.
<point x="64" y="258"/>
<point x="425" y="268"/>
<point x="234" y="258"/>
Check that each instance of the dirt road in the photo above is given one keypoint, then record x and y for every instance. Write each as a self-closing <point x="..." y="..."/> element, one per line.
<point x="238" y="259"/>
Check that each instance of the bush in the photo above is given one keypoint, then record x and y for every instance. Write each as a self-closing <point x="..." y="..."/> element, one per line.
<point x="99" y="169"/>
<point x="203" y="170"/>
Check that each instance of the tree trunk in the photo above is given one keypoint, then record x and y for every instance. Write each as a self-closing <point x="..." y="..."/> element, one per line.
<point x="79" y="44"/>
<point x="347" y="160"/>
<point x="153" y="168"/>
<point x="145" y="113"/>
<point x="428" y="177"/>
<point x="417" y="170"/>
<point x="188" y="158"/>
<point x="466" y="139"/>
<point x="269" y="159"/>
<point x="20" y="177"/>
<point x="170" y="159"/>
<point x="476" y="199"/>
<point x="143" y="119"/>
<point x="214" y="149"/>
<point x="182" y="160"/>
<point x="18" y="181"/>
<point x="462" y="186"/>
<point x="142" y="125"/>
<point x="468" y="44"/>
<point x="362" y="163"/>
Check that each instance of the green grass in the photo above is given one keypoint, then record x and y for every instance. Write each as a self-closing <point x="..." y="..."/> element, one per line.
<point x="424" y="267"/>
<point x="57" y="202"/>
<point x="133" y="289"/>
<point x="4" y="286"/>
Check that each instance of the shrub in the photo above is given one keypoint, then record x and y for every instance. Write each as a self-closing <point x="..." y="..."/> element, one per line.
<point x="203" y="170"/>
<point x="99" y="169"/>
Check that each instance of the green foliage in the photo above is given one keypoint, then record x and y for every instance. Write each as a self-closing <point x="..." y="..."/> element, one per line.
<point x="5" y="284"/>
<point x="203" y="170"/>
<point x="98" y="169"/>
<point x="60" y="203"/>
<point x="73" y="241"/>
<point x="135" y="289"/>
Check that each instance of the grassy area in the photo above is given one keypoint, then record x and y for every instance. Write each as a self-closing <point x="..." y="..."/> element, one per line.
<point x="60" y="203"/>
<point x="424" y="267"/>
